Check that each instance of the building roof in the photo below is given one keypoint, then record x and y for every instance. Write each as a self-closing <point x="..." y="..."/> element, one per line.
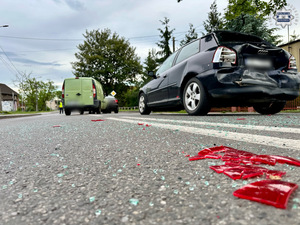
<point x="7" y="90"/>
<point x="289" y="43"/>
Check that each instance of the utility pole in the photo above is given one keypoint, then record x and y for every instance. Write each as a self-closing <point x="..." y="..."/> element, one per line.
<point x="173" y="44"/>
<point x="0" y="99"/>
<point x="0" y="87"/>
<point x="36" y="98"/>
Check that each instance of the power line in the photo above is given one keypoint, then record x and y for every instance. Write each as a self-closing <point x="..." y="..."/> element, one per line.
<point x="42" y="39"/>
<point x="10" y="60"/>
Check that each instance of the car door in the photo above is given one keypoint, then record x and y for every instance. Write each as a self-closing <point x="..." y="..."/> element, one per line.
<point x="177" y="72"/>
<point x="157" y="89"/>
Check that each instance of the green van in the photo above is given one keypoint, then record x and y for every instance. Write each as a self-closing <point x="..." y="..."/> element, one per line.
<point x="82" y="94"/>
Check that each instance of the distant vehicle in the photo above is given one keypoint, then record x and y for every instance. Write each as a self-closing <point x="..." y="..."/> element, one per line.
<point x="82" y="94"/>
<point x="111" y="104"/>
<point x="223" y="69"/>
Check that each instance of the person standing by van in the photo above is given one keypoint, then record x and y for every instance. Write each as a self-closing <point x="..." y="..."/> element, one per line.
<point x="61" y="108"/>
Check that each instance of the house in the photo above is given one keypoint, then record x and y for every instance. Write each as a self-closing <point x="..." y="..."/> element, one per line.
<point x="293" y="47"/>
<point x="9" y="99"/>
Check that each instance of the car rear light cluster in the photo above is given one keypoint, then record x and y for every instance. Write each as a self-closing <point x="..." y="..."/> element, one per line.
<point x="116" y="101"/>
<point x="63" y="91"/>
<point x="292" y="63"/>
<point x="94" y="91"/>
<point x="223" y="54"/>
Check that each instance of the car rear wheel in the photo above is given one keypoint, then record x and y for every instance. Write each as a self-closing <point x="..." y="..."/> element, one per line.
<point x="116" y="110"/>
<point x="269" y="107"/>
<point x="67" y="112"/>
<point x="195" y="100"/>
<point x="143" y="108"/>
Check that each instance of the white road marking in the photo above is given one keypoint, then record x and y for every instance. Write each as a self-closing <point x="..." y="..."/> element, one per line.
<point x="240" y="126"/>
<point x="245" y="137"/>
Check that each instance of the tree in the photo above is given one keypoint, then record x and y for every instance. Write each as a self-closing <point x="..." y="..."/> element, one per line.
<point x="250" y="24"/>
<point x="191" y="35"/>
<point x="214" y="21"/>
<point x="163" y="44"/>
<point x="108" y="58"/>
<point x="258" y="8"/>
<point x="34" y="93"/>
<point x="294" y="36"/>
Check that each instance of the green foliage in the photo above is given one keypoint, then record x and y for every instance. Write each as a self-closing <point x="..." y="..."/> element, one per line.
<point x="108" y="58"/>
<point x="131" y="97"/>
<point x="214" y="21"/>
<point x="34" y="91"/>
<point x="250" y="24"/>
<point x="163" y="44"/>
<point x="257" y="8"/>
<point x="191" y="35"/>
<point x="150" y="64"/>
<point x="294" y="36"/>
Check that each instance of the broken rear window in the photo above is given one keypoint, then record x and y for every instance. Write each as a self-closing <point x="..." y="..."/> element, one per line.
<point x="227" y="36"/>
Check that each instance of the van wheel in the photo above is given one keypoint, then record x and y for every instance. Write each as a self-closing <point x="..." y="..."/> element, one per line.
<point x="81" y="111"/>
<point x="195" y="99"/>
<point x="67" y="112"/>
<point x="269" y="108"/>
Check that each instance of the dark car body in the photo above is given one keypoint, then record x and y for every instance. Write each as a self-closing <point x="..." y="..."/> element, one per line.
<point x="223" y="69"/>
<point x="111" y="104"/>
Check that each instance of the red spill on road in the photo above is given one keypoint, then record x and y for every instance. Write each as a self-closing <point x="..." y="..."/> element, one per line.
<point x="241" y="164"/>
<point x="56" y="126"/>
<point x="271" y="192"/>
<point x="140" y="124"/>
<point x="241" y="119"/>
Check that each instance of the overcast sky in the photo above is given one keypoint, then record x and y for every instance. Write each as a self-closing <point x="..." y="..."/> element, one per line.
<point x="43" y="35"/>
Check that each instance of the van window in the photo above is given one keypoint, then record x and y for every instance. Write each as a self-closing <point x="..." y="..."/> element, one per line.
<point x="166" y="65"/>
<point x="188" y="51"/>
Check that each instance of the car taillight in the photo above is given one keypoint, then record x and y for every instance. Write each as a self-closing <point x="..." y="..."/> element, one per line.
<point x="223" y="54"/>
<point x="116" y="101"/>
<point x="63" y="91"/>
<point x="94" y="91"/>
<point x="292" y="63"/>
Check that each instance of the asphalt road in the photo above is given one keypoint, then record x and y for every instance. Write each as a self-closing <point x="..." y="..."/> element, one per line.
<point x="58" y="169"/>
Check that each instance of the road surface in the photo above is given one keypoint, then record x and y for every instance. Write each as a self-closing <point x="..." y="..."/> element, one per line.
<point x="58" y="169"/>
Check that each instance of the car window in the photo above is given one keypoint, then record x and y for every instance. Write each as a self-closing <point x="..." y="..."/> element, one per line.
<point x="167" y="64"/>
<point x="208" y="42"/>
<point x="188" y="51"/>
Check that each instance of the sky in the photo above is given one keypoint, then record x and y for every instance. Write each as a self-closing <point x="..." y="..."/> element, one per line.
<point x="43" y="36"/>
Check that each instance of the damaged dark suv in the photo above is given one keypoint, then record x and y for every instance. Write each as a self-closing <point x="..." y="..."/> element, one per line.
<point x="223" y="69"/>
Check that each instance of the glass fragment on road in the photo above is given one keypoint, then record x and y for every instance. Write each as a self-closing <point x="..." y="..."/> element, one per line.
<point x="239" y="164"/>
<point x="271" y="192"/>
<point x="134" y="201"/>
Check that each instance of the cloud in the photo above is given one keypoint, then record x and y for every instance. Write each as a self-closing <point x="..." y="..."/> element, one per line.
<point x="73" y="4"/>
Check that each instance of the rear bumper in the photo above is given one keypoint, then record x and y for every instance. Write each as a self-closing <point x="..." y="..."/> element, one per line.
<point x="83" y="107"/>
<point x="256" y="86"/>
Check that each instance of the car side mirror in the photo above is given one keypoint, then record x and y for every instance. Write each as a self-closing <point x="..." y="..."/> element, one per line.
<point x="152" y="74"/>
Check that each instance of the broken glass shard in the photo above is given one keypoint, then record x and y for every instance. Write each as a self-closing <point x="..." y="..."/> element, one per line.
<point x="285" y="159"/>
<point x="271" y="192"/>
<point x="133" y="201"/>
<point x="266" y="159"/>
<point x="234" y="173"/>
<point x="274" y="174"/>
